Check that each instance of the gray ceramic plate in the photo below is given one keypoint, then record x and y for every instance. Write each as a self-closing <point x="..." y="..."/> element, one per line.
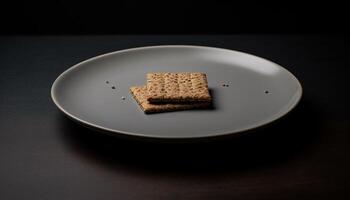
<point x="258" y="92"/>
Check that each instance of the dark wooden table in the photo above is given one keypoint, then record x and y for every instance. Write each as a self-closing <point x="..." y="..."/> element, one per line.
<point x="43" y="155"/>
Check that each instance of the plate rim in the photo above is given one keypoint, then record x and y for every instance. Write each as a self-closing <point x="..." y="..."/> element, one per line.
<point x="114" y="132"/>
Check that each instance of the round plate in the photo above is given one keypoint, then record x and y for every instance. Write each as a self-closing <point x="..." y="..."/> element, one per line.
<point x="259" y="92"/>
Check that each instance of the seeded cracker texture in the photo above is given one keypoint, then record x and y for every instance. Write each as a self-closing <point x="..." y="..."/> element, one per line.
<point x="181" y="87"/>
<point x="140" y="95"/>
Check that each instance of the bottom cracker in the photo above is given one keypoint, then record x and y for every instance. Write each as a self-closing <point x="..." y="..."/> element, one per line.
<point x="140" y="95"/>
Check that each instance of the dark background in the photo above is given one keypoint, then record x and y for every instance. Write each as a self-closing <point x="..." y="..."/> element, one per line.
<point x="43" y="155"/>
<point x="172" y="17"/>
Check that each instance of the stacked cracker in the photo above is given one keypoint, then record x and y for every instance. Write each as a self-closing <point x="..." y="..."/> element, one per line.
<point x="172" y="91"/>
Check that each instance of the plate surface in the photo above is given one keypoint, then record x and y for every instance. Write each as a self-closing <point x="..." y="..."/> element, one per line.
<point x="259" y="92"/>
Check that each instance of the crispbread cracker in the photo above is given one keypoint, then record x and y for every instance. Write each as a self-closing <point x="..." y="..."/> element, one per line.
<point x="140" y="95"/>
<point x="177" y="87"/>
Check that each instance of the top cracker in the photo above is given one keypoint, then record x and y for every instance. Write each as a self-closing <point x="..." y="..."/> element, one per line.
<point x="177" y="87"/>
